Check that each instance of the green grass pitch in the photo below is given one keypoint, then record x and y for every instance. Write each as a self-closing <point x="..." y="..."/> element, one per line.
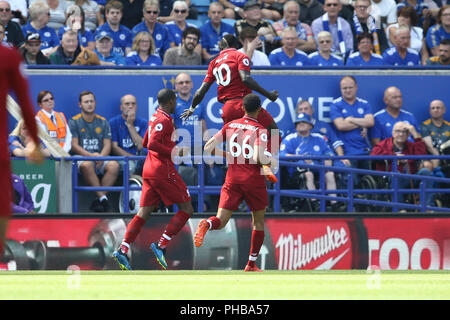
<point x="222" y="285"/>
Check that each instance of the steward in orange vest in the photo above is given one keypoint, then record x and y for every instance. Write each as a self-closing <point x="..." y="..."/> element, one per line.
<point x="58" y="131"/>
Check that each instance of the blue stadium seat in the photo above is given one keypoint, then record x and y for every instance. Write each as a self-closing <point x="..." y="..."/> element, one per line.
<point x="231" y="22"/>
<point x="198" y="23"/>
<point x="201" y="5"/>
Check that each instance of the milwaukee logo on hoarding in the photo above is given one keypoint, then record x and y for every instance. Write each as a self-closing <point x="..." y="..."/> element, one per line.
<point x="321" y="252"/>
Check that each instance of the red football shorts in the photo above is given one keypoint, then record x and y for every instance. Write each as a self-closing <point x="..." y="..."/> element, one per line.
<point x="6" y="196"/>
<point x="233" y="109"/>
<point x="232" y="195"/>
<point x="170" y="191"/>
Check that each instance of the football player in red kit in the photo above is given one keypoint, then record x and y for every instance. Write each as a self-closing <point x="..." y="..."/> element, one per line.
<point x="246" y="150"/>
<point x="11" y="78"/>
<point x="231" y="71"/>
<point x="161" y="182"/>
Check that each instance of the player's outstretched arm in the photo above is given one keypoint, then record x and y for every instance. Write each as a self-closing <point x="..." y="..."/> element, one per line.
<point x="198" y="97"/>
<point x="253" y="85"/>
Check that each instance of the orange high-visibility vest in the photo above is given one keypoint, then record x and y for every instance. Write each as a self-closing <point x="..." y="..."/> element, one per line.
<point x="58" y="131"/>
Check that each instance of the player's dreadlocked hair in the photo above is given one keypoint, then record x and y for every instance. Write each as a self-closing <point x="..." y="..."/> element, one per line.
<point x="228" y="41"/>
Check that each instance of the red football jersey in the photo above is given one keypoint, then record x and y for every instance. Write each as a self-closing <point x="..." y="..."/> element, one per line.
<point x="159" y="140"/>
<point x="241" y="136"/>
<point x="12" y="78"/>
<point x="224" y="69"/>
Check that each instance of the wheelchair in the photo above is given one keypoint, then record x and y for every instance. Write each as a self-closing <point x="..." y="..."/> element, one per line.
<point x="297" y="181"/>
<point x="443" y="199"/>
<point x="377" y="182"/>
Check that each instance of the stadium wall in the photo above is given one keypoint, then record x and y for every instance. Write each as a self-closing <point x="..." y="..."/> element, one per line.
<point x="292" y="241"/>
<point x="320" y="87"/>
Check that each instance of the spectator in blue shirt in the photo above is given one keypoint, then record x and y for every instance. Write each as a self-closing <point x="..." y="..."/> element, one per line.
<point x="176" y="27"/>
<point x="195" y="125"/>
<point x="324" y="128"/>
<point x="288" y="54"/>
<point x="401" y="54"/>
<point x="213" y="30"/>
<point x="121" y="35"/>
<point x="143" y="51"/>
<point x="38" y="23"/>
<point x="352" y="117"/>
<point x="324" y="57"/>
<point x="364" y="56"/>
<point x="104" y="50"/>
<point x="439" y="31"/>
<point x="306" y="143"/>
<point x="75" y="21"/>
<point x="127" y="133"/>
<point x="189" y="131"/>
<point x="390" y="115"/>
<point x="159" y="32"/>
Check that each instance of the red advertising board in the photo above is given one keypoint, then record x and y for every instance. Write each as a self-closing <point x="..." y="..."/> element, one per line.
<point x="292" y="242"/>
<point x="401" y="244"/>
<point x="314" y="243"/>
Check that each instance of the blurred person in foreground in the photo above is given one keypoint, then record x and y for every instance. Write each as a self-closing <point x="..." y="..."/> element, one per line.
<point x="12" y="79"/>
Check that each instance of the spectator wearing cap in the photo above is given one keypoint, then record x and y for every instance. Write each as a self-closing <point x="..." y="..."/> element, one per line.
<point x="104" y="50"/>
<point x="324" y="57"/>
<point x="254" y="19"/>
<point x="288" y="54"/>
<point x="305" y="143"/>
<point x="213" y="30"/>
<point x="150" y="24"/>
<point x="38" y="23"/>
<point x="364" y="55"/>
<point x="121" y="35"/>
<point x="143" y="51"/>
<point x="76" y="21"/>
<point x="12" y="32"/>
<point x="185" y="55"/>
<point x="31" y="50"/>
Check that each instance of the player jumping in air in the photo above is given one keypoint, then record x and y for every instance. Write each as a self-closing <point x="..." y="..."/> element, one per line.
<point x="246" y="142"/>
<point x="231" y="71"/>
<point x="161" y="181"/>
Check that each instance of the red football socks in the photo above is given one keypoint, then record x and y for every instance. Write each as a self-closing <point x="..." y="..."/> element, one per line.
<point x="257" y="241"/>
<point x="175" y="225"/>
<point x="214" y="222"/>
<point x="133" y="229"/>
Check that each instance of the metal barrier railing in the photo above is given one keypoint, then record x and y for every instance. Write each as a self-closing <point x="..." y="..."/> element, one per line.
<point x="322" y="194"/>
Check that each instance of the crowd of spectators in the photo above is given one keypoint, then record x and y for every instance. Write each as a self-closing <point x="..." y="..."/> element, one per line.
<point x="355" y="130"/>
<point x="288" y="32"/>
